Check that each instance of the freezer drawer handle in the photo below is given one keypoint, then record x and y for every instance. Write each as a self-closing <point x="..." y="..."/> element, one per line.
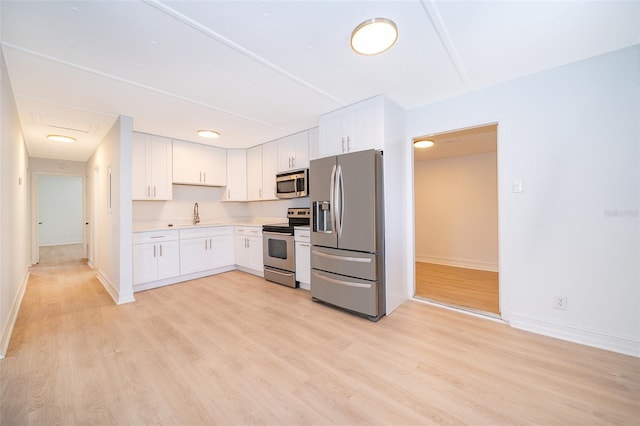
<point x="347" y="283"/>
<point x="348" y="259"/>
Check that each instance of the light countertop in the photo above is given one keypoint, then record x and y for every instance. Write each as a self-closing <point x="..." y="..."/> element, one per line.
<point x="144" y="226"/>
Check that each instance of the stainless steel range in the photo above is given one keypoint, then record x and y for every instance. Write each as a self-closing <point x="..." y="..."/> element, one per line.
<point x="279" y="248"/>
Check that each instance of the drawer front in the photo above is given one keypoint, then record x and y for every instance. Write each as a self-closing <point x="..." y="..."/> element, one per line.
<point x="220" y="230"/>
<point x="154" y="236"/>
<point x="302" y="235"/>
<point x="193" y="233"/>
<point x="353" y="264"/>
<point x="249" y="230"/>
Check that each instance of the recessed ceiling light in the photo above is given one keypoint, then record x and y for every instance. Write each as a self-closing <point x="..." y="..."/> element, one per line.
<point x="210" y="134"/>
<point x="374" y="36"/>
<point x="61" y="138"/>
<point x="425" y="143"/>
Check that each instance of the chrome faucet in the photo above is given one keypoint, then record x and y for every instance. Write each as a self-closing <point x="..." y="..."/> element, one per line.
<point x="196" y="215"/>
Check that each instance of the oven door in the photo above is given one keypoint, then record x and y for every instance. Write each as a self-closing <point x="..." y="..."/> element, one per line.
<point x="278" y="251"/>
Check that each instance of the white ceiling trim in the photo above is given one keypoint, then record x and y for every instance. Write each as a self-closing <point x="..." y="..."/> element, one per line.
<point x="431" y="9"/>
<point x="251" y="55"/>
<point x="136" y="84"/>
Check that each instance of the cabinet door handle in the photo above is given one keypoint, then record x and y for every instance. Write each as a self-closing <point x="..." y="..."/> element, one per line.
<point x="154" y="191"/>
<point x="348" y="144"/>
<point x="304" y="245"/>
<point x="154" y="250"/>
<point x="210" y="243"/>
<point x="260" y="193"/>
<point x="160" y="250"/>
<point x="205" y="244"/>
<point x="342" y="144"/>
<point x="205" y="177"/>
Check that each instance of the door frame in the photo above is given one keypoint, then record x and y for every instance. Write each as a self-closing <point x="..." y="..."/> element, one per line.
<point x="35" y="233"/>
<point x="502" y="288"/>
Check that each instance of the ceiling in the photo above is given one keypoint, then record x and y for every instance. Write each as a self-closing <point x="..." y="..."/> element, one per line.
<point x="472" y="141"/>
<point x="260" y="70"/>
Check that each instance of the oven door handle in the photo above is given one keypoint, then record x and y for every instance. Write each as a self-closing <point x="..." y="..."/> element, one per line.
<point x="288" y="274"/>
<point x="279" y="234"/>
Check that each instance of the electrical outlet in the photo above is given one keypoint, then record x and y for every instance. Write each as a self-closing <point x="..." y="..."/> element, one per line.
<point x="560" y="302"/>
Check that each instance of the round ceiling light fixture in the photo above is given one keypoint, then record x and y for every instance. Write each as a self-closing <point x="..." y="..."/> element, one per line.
<point x="424" y="143"/>
<point x="61" y="138"/>
<point x="209" y="134"/>
<point x="374" y="36"/>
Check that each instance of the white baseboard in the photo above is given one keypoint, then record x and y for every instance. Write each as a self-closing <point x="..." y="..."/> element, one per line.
<point x="13" y="315"/>
<point x="598" y="339"/>
<point x="118" y="298"/>
<point x="460" y="263"/>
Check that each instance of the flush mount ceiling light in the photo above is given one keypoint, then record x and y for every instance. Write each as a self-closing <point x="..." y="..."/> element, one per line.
<point x="374" y="36"/>
<point x="425" y="143"/>
<point x="61" y="138"/>
<point x="210" y="134"/>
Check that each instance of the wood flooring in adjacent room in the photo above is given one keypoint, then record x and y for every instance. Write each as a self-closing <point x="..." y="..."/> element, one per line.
<point x="467" y="288"/>
<point x="233" y="349"/>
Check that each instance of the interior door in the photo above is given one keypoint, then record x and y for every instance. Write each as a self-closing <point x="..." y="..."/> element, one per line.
<point x="358" y="194"/>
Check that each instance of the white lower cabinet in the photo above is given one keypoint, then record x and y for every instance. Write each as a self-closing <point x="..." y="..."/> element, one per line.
<point x="202" y="249"/>
<point x="248" y="242"/>
<point x="303" y="258"/>
<point x="156" y="256"/>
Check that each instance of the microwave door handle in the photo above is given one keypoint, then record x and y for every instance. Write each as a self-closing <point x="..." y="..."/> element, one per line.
<point x="332" y="189"/>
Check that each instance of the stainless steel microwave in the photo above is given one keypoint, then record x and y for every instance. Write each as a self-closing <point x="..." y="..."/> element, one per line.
<point x="292" y="184"/>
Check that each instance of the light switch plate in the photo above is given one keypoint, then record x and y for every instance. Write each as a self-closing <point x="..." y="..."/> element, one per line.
<point x="517" y="186"/>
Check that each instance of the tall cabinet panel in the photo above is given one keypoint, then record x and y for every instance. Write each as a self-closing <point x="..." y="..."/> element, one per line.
<point x="254" y="173"/>
<point x="236" y="175"/>
<point x="269" y="170"/>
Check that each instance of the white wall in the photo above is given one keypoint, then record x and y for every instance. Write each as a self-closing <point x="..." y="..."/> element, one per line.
<point x="571" y="134"/>
<point x="112" y="160"/>
<point x="60" y="210"/>
<point x="14" y="210"/>
<point x="456" y="208"/>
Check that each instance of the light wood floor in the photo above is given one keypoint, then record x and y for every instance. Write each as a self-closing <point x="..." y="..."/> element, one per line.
<point x="61" y="254"/>
<point x="234" y="349"/>
<point x="469" y="288"/>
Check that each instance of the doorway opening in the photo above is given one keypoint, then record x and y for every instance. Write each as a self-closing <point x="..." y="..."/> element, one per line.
<point x="456" y="220"/>
<point x="60" y="225"/>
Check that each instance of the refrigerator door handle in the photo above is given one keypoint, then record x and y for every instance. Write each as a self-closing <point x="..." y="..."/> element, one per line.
<point x="332" y="187"/>
<point x="339" y="200"/>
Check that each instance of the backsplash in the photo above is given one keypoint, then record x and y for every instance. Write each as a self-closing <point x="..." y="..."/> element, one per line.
<point x="210" y="206"/>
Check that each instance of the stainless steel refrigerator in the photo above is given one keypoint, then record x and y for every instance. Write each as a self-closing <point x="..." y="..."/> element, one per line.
<point x="347" y="232"/>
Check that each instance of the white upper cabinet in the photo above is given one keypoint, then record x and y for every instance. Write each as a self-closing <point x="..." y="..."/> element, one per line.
<point x="236" y="175"/>
<point x="254" y="173"/>
<point x="151" y="167"/>
<point x="269" y="170"/>
<point x="354" y="128"/>
<point x="197" y="164"/>
<point x="293" y="152"/>
<point x="262" y="166"/>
